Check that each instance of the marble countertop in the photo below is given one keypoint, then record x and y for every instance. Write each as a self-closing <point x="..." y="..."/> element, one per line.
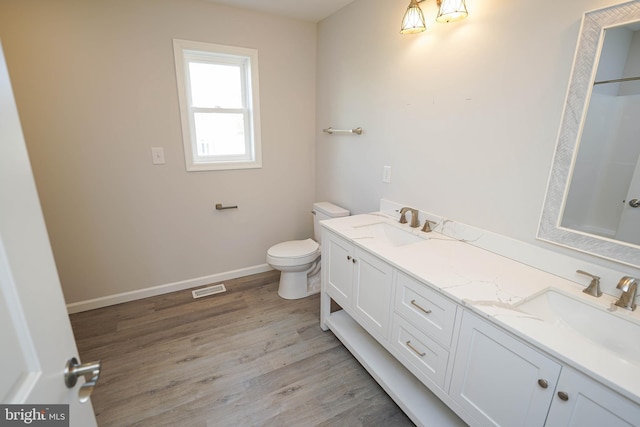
<point x="492" y="286"/>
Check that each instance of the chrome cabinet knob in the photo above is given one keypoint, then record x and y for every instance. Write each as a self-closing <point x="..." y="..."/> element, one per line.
<point x="634" y="203"/>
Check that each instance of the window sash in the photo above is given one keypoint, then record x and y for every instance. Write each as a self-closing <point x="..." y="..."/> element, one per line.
<point x="249" y="153"/>
<point x="241" y="62"/>
<point x="190" y="52"/>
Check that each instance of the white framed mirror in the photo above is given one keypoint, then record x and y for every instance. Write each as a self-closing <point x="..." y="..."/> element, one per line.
<point x="591" y="203"/>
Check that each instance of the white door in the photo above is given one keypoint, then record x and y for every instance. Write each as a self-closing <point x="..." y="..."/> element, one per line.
<point x="629" y="225"/>
<point x="36" y="335"/>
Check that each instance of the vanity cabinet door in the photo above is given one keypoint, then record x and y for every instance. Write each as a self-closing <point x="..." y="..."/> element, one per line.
<point x="499" y="380"/>
<point x="338" y="265"/>
<point x="359" y="282"/>
<point x="373" y="292"/>
<point x="583" y="402"/>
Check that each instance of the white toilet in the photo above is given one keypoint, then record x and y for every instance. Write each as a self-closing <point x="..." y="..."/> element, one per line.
<point x="299" y="260"/>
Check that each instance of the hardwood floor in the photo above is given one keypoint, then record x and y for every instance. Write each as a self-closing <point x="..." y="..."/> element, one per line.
<point x="242" y="358"/>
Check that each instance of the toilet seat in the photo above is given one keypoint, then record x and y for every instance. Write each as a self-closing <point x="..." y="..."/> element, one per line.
<point x="293" y="252"/>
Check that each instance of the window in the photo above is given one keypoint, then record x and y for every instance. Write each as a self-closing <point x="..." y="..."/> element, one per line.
<point x="219" y="105"/>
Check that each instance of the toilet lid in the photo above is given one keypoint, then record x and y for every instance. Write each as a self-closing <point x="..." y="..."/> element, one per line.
<point x="294" y="248"/>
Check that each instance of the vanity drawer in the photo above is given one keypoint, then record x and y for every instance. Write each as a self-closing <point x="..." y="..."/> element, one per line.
<point x="416" y="348"/>
<point x="425" y="308"/>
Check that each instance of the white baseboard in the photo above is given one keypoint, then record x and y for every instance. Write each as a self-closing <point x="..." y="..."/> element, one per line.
<point x="105" y="301"/>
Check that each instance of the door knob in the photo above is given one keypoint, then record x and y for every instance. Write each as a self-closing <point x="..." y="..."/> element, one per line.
<point x="90" y="371"/>
<point x="634" y="203"/>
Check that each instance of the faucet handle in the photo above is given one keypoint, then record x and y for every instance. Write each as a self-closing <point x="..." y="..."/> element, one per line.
<point x="594" y="287"/>
<point x="427" y="226"/>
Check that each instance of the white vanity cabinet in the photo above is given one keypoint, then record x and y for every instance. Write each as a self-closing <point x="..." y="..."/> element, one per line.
<point x="580" y="401"/>
<point x="359" y="282"/>
<point x="502" y="381"/>
<point x="443" y="363"/>
<point x="499" y="380"/>
<point x="363" y="285"/>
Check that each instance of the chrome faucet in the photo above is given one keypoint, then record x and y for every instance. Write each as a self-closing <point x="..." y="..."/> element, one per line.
<point x="415" y="222"/>
<point x="629" y="287"/>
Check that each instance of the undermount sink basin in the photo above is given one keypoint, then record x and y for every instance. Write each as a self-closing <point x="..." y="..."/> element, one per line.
<point x="386" y="233"/>
<point x="595" y="324"/>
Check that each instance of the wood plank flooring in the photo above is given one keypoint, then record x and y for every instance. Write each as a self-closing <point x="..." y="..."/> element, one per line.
<point x="242" y="358"/>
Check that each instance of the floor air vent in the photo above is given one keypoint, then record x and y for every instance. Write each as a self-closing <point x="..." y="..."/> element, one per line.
<point x="203" y="292"/>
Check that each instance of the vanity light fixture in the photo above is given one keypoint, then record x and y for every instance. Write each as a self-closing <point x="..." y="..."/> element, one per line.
<point x="413" y="20"/>
<point x="450" y="10"/>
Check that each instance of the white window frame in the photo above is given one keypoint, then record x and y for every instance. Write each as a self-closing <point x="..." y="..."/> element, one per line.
<point x="186" y="51"/>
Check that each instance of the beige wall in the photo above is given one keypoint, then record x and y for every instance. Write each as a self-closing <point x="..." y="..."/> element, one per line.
<point x="466" y="114"/>
<point x="95" y="86"/>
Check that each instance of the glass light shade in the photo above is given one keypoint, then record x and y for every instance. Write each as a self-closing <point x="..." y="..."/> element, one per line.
<point x="413" y="20"/>
<point x="452" y="10"/>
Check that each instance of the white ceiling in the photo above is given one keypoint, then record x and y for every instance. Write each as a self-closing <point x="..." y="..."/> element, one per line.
<point x="308" y="10"/>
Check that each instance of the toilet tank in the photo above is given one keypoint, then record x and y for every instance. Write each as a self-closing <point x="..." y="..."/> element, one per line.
<point x="325" y="210"/>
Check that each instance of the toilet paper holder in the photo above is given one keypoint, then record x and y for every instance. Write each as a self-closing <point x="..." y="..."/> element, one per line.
<point x="219" y="207"/>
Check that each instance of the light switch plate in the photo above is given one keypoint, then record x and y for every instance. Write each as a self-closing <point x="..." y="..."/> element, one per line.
<point x="386" y="174"/>
<point x="157" y="155"/>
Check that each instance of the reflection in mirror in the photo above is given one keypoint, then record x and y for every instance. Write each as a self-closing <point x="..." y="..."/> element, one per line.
<point x="606" y="175"/>
<point x="595" y="177"/>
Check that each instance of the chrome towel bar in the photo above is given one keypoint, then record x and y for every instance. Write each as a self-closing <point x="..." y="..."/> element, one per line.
<point x="330" y="130"/>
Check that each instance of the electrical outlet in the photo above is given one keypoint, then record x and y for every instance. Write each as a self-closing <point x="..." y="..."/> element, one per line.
<point x="386" y="174"/>
<point x="157" y="155"/>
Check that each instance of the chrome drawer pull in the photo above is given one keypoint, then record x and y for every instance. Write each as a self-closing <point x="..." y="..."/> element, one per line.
<point x="413" y="302"/>
<point x="415" y="350"/>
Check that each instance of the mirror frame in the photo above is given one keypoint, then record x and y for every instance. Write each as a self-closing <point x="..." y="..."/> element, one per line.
<point x="585" y="63"/>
